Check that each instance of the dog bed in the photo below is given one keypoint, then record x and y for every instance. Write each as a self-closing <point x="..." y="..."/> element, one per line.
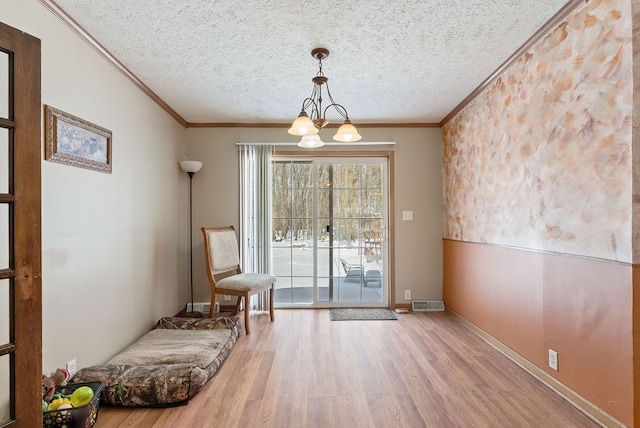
<point x="166" y="366"/>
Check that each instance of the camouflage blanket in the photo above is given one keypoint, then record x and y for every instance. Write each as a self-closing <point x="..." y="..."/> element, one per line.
<point x="168" y="365"/>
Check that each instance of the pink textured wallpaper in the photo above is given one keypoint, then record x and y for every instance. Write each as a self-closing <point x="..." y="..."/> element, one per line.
<point x="542" y="159"/>
<point x="635" y="7"/>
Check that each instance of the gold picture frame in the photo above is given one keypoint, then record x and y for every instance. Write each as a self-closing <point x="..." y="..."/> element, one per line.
<point x="73" y="141"/>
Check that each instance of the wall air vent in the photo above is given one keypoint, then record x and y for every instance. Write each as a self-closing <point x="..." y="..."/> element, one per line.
<point x="427" y="305"/>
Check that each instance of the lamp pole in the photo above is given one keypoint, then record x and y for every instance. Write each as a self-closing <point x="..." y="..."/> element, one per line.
<point x="191" y="167"/>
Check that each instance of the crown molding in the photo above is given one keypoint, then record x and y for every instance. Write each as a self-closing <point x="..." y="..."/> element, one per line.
<point x="288" y="125"/>
<point x="84" y="35"/>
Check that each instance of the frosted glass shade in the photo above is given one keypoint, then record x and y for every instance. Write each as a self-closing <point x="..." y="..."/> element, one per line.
<point x="347" y="133"/>
<point x="311" y="141"/>
<point x="190" y="166"/>
<point x="303" y="125"/>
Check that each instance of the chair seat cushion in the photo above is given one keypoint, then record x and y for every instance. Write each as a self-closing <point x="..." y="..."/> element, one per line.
<point x="247" y="282"/>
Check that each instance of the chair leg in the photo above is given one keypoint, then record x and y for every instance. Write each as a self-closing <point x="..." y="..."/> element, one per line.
<point x="238" y="301"/>
<point x="246" y="314"/>
<point x="271" y="302"/>
<point x="212" y="306"/>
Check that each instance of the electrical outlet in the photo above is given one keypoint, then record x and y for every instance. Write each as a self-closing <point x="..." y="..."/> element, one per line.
<point x="553" y="359"/>
<point x="71" y="367"/>
<point x="226" y="298"/>
<point x="407" y="215"/>
<point x="407" y="294"/>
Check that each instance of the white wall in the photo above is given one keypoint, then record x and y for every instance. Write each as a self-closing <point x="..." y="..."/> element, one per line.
<point x="112" y="246"/>
<point x="418" y="188"/>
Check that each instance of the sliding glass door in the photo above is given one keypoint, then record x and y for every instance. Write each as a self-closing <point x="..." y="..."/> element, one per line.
<point x="329" y="244"/>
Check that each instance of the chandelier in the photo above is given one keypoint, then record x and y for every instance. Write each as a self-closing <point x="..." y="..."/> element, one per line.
<point x="308" y="126"/>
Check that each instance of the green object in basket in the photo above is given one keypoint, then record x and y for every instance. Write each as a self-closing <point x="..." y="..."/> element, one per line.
<point x="81" y="396"/>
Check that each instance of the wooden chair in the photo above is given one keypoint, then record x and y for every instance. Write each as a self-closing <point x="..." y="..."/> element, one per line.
<point x="222" y="256"/>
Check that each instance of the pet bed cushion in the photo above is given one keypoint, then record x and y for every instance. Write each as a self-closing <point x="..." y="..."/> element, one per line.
<point x="166" y="366"/>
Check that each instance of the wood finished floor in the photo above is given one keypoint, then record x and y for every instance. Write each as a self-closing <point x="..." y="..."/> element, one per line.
<point x="303" y="370"/>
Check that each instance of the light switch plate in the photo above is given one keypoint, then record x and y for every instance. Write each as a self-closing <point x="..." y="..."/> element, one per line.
<point x="407" y="215"/>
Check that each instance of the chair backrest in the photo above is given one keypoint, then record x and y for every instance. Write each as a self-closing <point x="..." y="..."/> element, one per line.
<point x="345" y="265"/>
<point x="221" y="249"/>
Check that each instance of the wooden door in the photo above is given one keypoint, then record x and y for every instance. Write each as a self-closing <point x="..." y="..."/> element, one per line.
<point x="20" y="230"/>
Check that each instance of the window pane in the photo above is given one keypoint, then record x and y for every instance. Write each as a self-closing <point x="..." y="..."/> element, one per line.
<point x="325" y="263"/>
<point x="283" y="290"/>
<point x="281" y="201"/>
<point x="323" y="202"/>
<point x="302" y="202"/>
<point x="302" y="290"/>
<point x="323" y="176"/>
<point x="4" y="312"/>
<point x="347" y="203"/>
<point x="5" y="390"/>
<point x="323" y="290"/>
<point x="301" y="176"/>
<point x="4" y="160"/>
<point x="346" y="232"/>
<point x="302" y="251"/>
<point x="281" y="260"/>
<point x="372" y="176"/>
<point x="4" y="85"/>
<point x="281" y="174"/>
<point x="372" y="203"/>
<point x="346" y="176"/>
<point x="4" y="236"/>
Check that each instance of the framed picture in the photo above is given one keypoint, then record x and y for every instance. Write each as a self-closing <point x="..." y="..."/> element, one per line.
<point x="73" y="141"/>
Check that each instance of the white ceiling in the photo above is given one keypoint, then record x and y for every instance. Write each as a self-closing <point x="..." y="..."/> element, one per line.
<point x="403" y="61"/>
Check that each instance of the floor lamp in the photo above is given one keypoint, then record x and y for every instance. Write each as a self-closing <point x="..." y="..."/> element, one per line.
<point x="191" y="167"/>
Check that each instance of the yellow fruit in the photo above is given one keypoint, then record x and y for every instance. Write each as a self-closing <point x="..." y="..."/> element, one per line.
<point x="81" y="396"/>
<point x="55" y="404"/>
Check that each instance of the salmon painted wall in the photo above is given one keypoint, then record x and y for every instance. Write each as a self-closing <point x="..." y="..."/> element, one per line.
<point x="538" y="213"/>
<point x="535" y="301"/>
<point x="636" y="342"/>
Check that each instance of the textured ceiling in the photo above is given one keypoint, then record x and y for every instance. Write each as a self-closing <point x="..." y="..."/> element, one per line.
<point x="249" y="61"/>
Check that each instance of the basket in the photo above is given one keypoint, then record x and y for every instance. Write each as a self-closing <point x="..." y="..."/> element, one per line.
<point x="77" y="417"/>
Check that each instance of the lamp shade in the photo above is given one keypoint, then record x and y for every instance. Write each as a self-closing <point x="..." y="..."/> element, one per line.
<point x="310" y="141"/>
<point x="190" y="166"/>
<point x="347" y="133"/>
<point x="303" y="125"/>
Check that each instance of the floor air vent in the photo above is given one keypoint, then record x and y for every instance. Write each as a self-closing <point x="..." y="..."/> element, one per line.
<point x="203" y="307"/>
<point x="427" y="305"/>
